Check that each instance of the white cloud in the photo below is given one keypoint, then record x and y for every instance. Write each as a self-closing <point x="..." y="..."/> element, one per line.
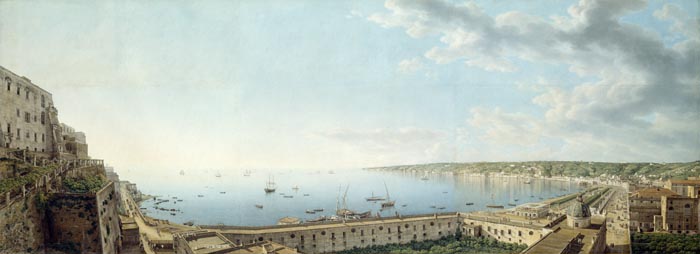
<point x="634" y="75"/>
<point x="411" y="65"/>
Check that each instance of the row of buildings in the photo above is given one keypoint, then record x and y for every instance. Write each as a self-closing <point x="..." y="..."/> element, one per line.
<point x="29" y="121"/>
<point x="673" y="208"/>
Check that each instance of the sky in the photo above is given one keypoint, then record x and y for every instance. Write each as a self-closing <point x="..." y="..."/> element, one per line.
<point x="170" y="85"/>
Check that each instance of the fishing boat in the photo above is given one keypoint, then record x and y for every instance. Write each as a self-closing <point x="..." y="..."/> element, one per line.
<point x="388" y="202"/>
<point x="528" y="181"/>
<point x="494" y="206"/>
<point x="310" y="211"/>
<point x="217" y="174"/>
<point x="288" y="196"/>
<point x="306" y="195"/>
<point x="270" y="186"/>
<point x="404" y="205"/>
<point x="319" y="219"/>
<point x="441" y="208"/>
<point x="470" y="203"/>
<point x="296" y="187"/>
<point x="425" y="177"/>
<point x="375" y="198"/>
<point x="318" y="210"/>
<point x="222" y="192"/>
<point x="516" y="200"/>
<point x="201" y="196"/>
<point x="259" y="206"/>
<point x="511" y="204"/>
<point x="432" y="206"/>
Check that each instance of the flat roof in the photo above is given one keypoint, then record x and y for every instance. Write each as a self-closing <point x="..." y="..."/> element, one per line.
<point x="533" y="205"/>
<point x="310" y="226"/>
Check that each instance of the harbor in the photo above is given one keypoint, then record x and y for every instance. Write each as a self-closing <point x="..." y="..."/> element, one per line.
<point x="239" y="197"/>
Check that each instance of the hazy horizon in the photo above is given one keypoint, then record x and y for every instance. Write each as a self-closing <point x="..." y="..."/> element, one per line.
<point x="165" y="86"/>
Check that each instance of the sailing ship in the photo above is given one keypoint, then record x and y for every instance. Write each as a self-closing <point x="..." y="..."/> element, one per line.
<point x="296" y="187"/>
<point x="247" y="172"/>
<point x="344" y="211"/>
<point x="218" y="174"/>
<point x="270" y="186"/>
<point x="259" y="206"/>
<point x="182" y="172"/>
<point x="375" y="198"/>
<point x="388" y="202"/>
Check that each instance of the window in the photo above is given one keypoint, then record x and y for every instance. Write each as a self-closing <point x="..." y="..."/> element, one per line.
<point x="35" y="137"/>
<point x="19" y="136"/>
<point x="27" y="117"/>
<point x="9" y="83"/>
<point x="43" y="101"/>
<point x="43" y="138"/>
<point x="43" y="118"/>
<point x="26" y="92"/>
<point x="18" y="113"/>
<point x="18" y="87"/>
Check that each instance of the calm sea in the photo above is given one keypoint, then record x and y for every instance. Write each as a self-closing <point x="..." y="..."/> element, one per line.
<point x="231" y="198"/>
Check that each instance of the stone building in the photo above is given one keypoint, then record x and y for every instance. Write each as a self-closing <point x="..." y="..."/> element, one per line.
<point x="205" y="242"/>
<point x="680" y="215"/>
<point x="582" y="233"/>
<point x="579" y="214"/>
<point x="644" y="205"/>
<point x="502" y="229"/>
<point x="331" y="237"/>
<point x="29" y="120"/>
<point x="532" y="210"/>
<point x="686" y="188"/>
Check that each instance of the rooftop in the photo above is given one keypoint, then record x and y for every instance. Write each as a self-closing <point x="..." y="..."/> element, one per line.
<point x="653" y="193"/>
<point x="533" y="206"/>
<point x="693" y="182"/>
<point x="203" y="242"/>
<point x="562" y="236"/>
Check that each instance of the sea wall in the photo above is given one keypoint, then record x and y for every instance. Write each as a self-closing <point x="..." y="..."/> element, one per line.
<point x="337" y="236"/>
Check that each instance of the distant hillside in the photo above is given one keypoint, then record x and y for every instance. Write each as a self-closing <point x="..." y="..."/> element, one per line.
<point x="563" y="168"/>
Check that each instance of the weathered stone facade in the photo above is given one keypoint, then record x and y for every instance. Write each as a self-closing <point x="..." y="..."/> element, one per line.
<point x="502" y="231"/>
<point x="87" y="222"/>
<point x="29" y="120"/>
<point x="644" y="205"/>
<point x="21" y="226"/>
<point x="25" y="114"/>
<point x="680" y="215"/>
